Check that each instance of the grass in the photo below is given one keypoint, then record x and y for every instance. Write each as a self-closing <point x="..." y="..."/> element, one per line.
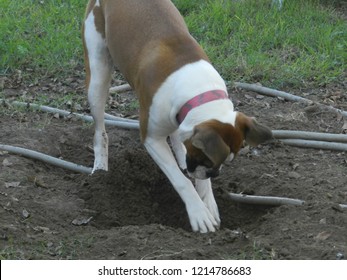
<point x="43" y="36"/>
<point x="304" y="44"/>
<point x="64" y="249"/>
<point x="249" y="41"/>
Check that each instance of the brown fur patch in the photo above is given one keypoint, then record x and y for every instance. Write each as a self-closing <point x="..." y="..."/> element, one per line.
<point x="253" y="132"/>
<point x="231" y="136"/>
<point x="148" y="40"/>
<point x="99" y="20"/>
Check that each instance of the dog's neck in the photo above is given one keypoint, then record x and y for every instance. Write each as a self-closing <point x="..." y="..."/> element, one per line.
<point x="199" y="100"/>
<point x="220" y="110"/>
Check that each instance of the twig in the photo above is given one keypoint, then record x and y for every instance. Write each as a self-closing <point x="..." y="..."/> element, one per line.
<point x="269" y="200"/>
<point x="114" y="118"/>
<point x="118" y="122"/>
<point x="307" y="135"/>
<point x="120" y="88"/>
<point x="272" y="92"/>
<point x="45" y="158"/>
<point x="134" y="124"/>
<point x="315" y="144"/>
<point x="287" y="96"/>
<point x="264" y="200"/>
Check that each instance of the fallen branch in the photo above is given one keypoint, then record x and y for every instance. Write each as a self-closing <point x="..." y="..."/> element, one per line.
<point x="269" y="200"/>
<point x="278" y="134"/>
<point x="264" y="200"/>
<point x="120" y="88"/>
<point x="45" y="158"/>
<point x="240" y="198"/>
<point x="114" y="118"/>
<point x="315" y="144"/>
<point x="287" y="96"/>
<point x="116" y="121"/>
<point x="307" y="135"/>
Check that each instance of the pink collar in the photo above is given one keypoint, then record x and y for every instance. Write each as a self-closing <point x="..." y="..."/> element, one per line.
<point x="198" y="100"/>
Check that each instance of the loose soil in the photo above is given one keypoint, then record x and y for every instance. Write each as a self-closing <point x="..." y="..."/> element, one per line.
<point x="132" y="212"/>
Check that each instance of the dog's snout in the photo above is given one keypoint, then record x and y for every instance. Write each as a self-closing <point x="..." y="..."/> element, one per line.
<point x="212" y="173"/>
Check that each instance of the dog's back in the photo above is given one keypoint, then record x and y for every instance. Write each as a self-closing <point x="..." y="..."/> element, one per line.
<point x="138" y="38"/>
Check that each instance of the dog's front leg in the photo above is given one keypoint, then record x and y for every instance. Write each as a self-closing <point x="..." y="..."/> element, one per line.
<point x="179" y="150"/>
<point x="204" y="189"/>
<point x="200" y="217"/>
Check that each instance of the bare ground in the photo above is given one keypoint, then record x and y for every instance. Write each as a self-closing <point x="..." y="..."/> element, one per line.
<point x="132" y="212"/>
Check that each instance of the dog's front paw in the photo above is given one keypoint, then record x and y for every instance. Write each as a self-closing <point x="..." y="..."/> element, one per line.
<point x="202" y="220"/>
<point x="204" y="189"/>
<point x="211" y="205"/>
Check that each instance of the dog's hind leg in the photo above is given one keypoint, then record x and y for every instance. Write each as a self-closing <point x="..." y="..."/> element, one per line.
<point x="99" y="70"/>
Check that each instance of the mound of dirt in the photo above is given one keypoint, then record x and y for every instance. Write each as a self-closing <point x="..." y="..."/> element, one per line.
<point x="132" y="212"/>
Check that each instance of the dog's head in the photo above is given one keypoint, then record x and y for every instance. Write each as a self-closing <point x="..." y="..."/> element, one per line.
<point x="214" y="143"/>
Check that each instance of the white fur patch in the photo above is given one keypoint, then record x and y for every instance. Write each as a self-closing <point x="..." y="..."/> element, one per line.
<point x="100" y="76"/>
<point x="177" y="90"/>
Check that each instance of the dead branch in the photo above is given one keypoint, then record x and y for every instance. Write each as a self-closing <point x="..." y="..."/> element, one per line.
<point x="46" y="158"/>
<point x="114" y="118"/>
<point x="307" y="135"/>
<point x="269" y="200"/>
<point x="287" y="96"/>
<point x="118" y="122"/>
<point x="264" y="200"/>
<point x="315" y="144"/>
<point x="120" y="88"/>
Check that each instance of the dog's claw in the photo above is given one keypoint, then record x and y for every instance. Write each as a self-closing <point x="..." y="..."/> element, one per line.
<point x="202" y="221"/>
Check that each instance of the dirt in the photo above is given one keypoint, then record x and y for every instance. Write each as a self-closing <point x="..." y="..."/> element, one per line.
<point x="132" y="212"/>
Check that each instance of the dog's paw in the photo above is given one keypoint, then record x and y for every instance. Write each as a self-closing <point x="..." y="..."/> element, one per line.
<point x="202" y="220"/>
<point x="211" y="205"/>
<point x="204" y="189"/>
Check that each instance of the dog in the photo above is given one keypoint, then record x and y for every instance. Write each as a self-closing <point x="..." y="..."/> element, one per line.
<point x="182" y="97"/>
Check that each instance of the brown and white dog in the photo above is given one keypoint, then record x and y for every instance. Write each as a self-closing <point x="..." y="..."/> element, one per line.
<point x="181" y="96"/>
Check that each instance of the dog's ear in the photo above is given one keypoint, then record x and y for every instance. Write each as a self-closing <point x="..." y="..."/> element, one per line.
<point x="211" y="143"/>
<point x="254" y="133"/>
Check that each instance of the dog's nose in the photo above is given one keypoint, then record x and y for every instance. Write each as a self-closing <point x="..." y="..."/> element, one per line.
<point x="212" y="173"/>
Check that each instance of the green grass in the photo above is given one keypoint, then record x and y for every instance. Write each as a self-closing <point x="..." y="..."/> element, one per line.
<point x="304" y="44"/>
<point x="40" y="35"/>
<point x="249" y="41"/>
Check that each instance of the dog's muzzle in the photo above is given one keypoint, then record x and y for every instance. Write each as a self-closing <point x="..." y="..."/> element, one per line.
<point x="202" y="173"/>
<point x="212" y="173"/>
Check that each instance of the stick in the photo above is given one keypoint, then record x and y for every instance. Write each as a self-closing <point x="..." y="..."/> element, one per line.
<point x="264" y="200"/>
<point x="287" y="96"/>
<point x="315" y="144"/>
<point x="114" y="118"/>
<point x="48" y="159"/>
<point x="120" y="88"/>
<point x="134" y="124"/>
<point x="294" y="134"/>
<point x="269" y="200"/>
<point x="272" y="92"/>
<point x="118" y="122"/>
